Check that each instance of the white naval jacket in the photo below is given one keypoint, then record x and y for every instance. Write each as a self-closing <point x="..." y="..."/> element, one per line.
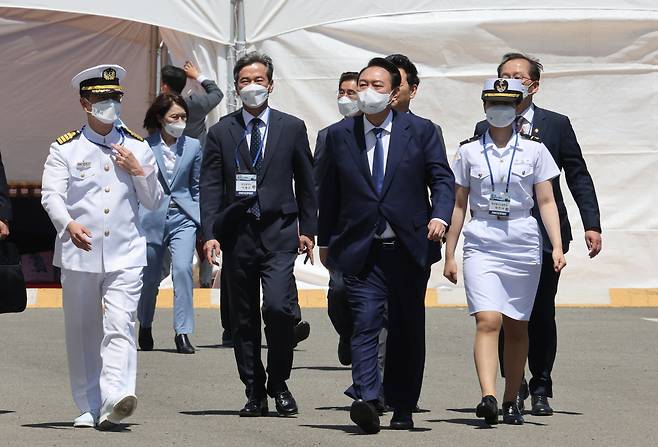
<point x="81" y="182"/>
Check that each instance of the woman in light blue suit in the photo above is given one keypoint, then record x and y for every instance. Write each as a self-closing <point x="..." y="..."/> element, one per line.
<point x="174" y="224"/>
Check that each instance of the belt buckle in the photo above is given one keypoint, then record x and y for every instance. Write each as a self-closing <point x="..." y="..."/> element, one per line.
<point x="388" y="245"/>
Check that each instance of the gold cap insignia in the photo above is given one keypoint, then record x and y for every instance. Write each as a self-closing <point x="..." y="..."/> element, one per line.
<point x="500" y="85"/>
<point x="109" y="74"/>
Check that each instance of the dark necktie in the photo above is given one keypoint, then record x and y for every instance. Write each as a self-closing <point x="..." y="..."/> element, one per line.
<point x="255" y="146"/>
<point x="378" y="172"/>
<point x="256" y="143"/>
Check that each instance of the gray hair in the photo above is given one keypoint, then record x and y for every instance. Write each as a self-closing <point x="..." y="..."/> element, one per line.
<point x="253" y="57"/>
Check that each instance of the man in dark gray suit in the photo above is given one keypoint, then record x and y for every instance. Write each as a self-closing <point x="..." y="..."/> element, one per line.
<point x="556" y="132"/>
<point x="175" y="78"/>
<point x="249" y="205"/>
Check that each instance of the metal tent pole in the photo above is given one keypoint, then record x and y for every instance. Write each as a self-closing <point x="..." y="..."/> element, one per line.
<point x="236" y="50"/>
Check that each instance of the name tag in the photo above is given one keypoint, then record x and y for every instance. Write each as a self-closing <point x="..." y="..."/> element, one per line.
<point x="499" y="204"/>
<point x="83" y="165"/>
<point x="245" y="185"/>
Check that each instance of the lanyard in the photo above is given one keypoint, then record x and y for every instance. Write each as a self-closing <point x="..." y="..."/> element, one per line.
<point x="486" y="156"/>
<point x="260" y="150"/>
<point x="123" y="138"/>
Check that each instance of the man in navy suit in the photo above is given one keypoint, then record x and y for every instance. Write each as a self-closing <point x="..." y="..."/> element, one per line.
<point x="379" y="227"/>
<point x="251" y="161"/>
<point x="555" y="131"/>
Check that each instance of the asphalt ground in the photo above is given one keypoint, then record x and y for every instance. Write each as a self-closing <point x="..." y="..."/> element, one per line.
<point x="605" y="385"/>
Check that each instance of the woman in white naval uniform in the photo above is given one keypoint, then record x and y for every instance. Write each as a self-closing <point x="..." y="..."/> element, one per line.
<point x="497" y="174"/>
<point x="94" y="181"/>
<point x="174" y="224"/>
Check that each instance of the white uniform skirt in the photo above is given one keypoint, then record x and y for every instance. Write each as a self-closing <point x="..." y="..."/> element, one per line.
<point x="502" y="264"/>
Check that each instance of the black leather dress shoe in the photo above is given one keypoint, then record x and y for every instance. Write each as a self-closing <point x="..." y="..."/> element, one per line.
<point x="364" y="415"/>
<point x="522" y="395"/>
<point x="344" y="350"/>
<point x="488" y="409"/>
<point x="254" y="408"/>
<point x="145" y="339"/>
<point x="285" y="403"/>
<point x="540" y="406"/>
<point x="183" y="345"/>
<point x="511" y="414"/>
<point x="302" y="331"/>
<point x="402" y="420"/>
<point x="227" y="339"/>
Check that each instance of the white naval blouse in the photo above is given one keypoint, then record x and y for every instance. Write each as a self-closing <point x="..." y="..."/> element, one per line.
<point x="532" y="164"/>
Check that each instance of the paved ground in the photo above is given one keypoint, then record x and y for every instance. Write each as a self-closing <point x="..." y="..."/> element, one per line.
<point x="606" y="388"/>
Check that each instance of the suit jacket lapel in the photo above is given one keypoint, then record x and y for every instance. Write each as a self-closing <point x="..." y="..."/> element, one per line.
<point x="155" y="141"/>
<point x="356" y="141"/>
<point x="539" y="123"/>
<point x="272" y="138"/>
<point x="180" y="154"/>
<point x="237" y="131"/>
<point x="397" y="146"/>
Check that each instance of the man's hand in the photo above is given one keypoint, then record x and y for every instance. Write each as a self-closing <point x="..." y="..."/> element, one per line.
<point x="4" y="230"/>
<point x="324" y="251"/>
<point x="190" y="70"/>
<point x="211" y="250"/>
<point x="306" y="246"/>
<point x="594" y="242"/>
<point x="126" y="160"/>
<point x="79" y="235"/>
<point x="436" y="230"/>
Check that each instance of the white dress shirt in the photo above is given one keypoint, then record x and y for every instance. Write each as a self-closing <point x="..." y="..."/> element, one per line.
<point x="169" y="158"/>
<point x="264" y="122"/>
<point x="528" y="116"/>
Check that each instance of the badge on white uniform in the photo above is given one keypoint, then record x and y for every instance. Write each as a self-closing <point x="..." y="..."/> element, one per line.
<point x="499" y="204"/>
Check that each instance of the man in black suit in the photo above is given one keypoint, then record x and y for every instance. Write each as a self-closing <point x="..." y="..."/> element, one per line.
<point x="379" y="227"/>
<point x="555" y="131"/>
<point x="408" y="88"/>
<point x="5" y="204"/>
<point x="252" y="158"/>
<point x="337" y="306"/>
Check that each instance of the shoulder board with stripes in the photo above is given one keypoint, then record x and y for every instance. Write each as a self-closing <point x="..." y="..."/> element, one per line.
<point x="67" y="137"/>
<point x="136" y="136"/>
<point x="531" y="137"/>
<point x="473" y="138"/>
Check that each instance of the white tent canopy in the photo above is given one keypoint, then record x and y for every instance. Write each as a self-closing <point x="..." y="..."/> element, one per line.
<point x="601" y="60"/>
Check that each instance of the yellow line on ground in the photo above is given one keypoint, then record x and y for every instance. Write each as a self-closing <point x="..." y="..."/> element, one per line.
<point x="317" y="298"/>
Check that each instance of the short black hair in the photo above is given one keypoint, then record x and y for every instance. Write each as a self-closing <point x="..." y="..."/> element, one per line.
<point x="535" y="66"/>
<point x="174" y="77"/>
<point x="403" y="62"/>
<point x="386" y="65"/>
<point x="348" y="76"/>
<point x="254" y="57"/>
<point x="159" y="109"/>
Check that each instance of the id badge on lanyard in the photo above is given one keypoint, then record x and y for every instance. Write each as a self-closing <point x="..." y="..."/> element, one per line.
<point x="245" y="185"/>
<point x="499" y="201"/>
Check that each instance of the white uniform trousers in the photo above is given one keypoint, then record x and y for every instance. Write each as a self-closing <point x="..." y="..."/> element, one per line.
<point x="99" y="314"/>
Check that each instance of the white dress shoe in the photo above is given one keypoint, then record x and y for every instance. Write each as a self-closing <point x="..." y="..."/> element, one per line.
<point x="87" y="419"/>
<point x="113" y="414"/>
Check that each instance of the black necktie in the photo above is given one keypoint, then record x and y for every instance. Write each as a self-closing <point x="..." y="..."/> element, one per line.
<point x="256" y="144"/>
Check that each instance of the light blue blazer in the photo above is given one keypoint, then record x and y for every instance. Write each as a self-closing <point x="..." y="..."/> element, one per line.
<point x="183" y="187"/>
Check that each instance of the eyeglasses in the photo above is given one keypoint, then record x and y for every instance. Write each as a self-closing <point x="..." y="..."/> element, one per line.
<point x="517" y="76"/>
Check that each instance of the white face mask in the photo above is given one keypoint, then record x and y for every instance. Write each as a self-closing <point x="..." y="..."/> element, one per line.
<point x="107" y="111"/>
<point x="371" y="101"/>
<point x="254" y="95"/>
<point x="500" y="115"/>
<point x="347" y="106"/>
<point x="176" y="128"/>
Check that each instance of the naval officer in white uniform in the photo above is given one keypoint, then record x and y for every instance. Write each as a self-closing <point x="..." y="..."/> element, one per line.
<point x="498" y="174"/>
<point x="94" y="181"/>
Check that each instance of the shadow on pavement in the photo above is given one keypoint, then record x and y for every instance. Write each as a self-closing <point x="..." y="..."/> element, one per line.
<point x="475" y="423"/>
<point x="351" y="429"/>
<point x="324" y="368"/>
<point x="65" y="425"/>
<point x="345" y="408"/>
<point x="7" y="411"/>
<point x="210" y="413"/>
